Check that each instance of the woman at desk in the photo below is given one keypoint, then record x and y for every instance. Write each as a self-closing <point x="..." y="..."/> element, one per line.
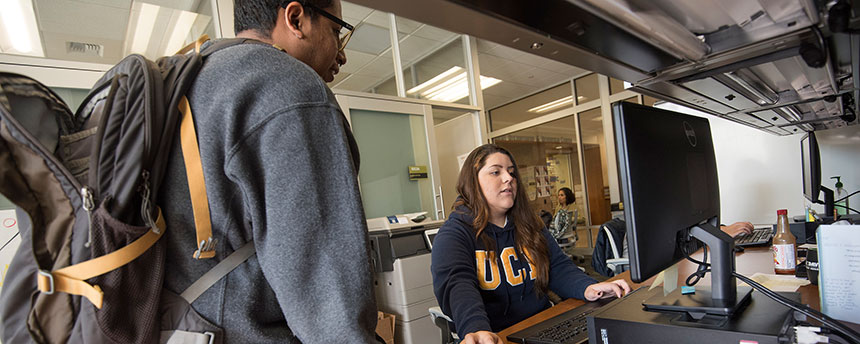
<point x="494" y="261"/>
<point x="565" y="215"/>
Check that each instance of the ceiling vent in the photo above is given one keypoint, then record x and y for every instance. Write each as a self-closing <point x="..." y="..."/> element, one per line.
<point x="86" y="49"/>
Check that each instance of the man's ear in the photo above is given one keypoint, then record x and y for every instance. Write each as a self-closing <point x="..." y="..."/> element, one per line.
<point x="294" y="18"/>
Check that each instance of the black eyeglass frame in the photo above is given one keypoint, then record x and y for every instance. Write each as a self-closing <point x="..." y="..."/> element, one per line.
<point x="323" y="12"/>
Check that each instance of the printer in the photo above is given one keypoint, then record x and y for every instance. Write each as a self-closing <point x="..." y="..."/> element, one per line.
<point x="402" y="282"/>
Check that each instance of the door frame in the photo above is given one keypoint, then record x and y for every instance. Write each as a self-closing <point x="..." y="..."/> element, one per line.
<point x="349" y="102"/>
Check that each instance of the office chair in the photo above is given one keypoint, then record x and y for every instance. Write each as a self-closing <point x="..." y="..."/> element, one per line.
<point x="618" y="263"/>
<point x="443" y="322"/>
<point x="608" y="257"/>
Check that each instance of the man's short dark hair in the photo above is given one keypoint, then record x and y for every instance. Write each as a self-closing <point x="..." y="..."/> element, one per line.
<point x="261" y="15"/>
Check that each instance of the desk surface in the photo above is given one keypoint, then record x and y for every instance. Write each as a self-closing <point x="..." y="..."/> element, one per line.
<point x="752" y="260"/>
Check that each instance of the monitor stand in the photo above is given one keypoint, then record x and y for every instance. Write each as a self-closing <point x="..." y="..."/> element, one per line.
<point x="724" y="297"/>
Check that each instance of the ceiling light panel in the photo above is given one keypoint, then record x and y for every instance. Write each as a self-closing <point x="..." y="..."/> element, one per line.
<point x="19" y="35"/>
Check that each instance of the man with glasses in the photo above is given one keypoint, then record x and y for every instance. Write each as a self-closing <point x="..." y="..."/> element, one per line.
<point x="280" y="166"/>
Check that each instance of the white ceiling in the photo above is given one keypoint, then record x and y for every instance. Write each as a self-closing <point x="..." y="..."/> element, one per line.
<point x="109" y="24"/>
<point x="369" y="61"/>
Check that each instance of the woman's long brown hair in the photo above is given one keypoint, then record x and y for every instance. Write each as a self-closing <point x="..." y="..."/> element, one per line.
<point x="528" y="228"/>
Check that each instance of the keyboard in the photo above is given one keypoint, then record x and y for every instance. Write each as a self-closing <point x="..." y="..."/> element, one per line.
<point x="759" y="236"/>
<point x="570" y="327"/>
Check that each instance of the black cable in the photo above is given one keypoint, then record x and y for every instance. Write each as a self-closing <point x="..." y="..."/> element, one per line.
<point x="851" y="209"/>
<point x="837" y="327"/>
<point x="846" y="197"/>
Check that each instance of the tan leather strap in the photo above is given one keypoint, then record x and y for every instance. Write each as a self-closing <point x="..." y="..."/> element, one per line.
<point x="70" y="279"/>
<point x="196" y="45"/>
<point x="196" y="183"/>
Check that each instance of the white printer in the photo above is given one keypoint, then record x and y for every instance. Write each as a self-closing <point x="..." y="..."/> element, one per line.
<point x="402" y="280"/>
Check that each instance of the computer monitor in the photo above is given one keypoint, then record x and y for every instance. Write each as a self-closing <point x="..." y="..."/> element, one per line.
<point x="811" y="161"/>
<point x="671" y="197"/>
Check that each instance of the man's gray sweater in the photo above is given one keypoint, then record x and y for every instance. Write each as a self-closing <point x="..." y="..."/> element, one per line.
<point x="280" y="165"/>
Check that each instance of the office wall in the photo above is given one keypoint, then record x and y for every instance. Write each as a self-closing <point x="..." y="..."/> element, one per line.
<point x="759" y="172"/>
<point x="454" y="138"/>
<point x="840" y="156"/>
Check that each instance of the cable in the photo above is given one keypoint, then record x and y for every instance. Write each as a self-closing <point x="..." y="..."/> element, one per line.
<point x="846" y="197"/>
<point x="851" y="209"/>
<point x="838" y="328"/>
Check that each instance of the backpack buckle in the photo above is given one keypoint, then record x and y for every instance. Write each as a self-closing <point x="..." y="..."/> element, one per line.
<point x="211" y="336"/>
<point x="50" y="280"/>
<point x="205" y="249"/>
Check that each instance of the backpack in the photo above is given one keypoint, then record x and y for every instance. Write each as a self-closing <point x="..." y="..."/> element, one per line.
<point x="90" y="265"/>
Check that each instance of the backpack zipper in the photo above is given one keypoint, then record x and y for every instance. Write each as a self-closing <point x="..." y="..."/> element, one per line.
<point x="146" y="205"/>
<point x="88" y="205"/>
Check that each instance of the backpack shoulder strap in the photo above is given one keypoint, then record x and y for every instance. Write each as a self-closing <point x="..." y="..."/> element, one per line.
<point x="196" y="183"/>
<point x="219" y="271"/>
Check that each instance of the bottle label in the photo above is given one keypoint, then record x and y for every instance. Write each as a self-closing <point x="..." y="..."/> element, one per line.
<point x="783" y="257"/>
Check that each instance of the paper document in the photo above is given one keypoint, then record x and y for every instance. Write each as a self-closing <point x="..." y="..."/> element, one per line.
<point x="839" y="271"/>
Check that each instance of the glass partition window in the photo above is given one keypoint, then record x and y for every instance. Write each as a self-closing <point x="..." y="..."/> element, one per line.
<point x="548" y="159"/>
<point x="634" y="100"/>
<point x="615" y="85"/>
<point x="389" y="143"/>
<point x="594" y="158"/>
<point x="648" y="100"/>
<point x="521" y="73"/>
<point x="540" y="104"/>
<point x="369" y="62"/>
<point x="586" y="89"/>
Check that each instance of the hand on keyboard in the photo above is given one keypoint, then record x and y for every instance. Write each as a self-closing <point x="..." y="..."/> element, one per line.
<point x="602" y="290"/>
<point x="482" y="337"/>
<point x="738" y="228"/>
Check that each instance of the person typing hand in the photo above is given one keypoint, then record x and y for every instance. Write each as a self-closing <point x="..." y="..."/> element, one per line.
<point x="737" y="228"/>
<point x="603" y="290"/>
<point x="482" y="337"/>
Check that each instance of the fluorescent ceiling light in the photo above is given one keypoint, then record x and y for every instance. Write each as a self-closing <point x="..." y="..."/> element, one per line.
<point x="554" y="104"/>
<point x="449" y="86"/>
<point x="21" y="33"/>
<point x="181" y="30"/>
<point x="146" y="15"/>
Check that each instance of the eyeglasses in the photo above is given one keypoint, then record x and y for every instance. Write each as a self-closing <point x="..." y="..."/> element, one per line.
<point x="342" y="39"/>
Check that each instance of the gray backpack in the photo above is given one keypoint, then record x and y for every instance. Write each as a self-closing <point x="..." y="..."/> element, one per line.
<point x="90" y="265"/>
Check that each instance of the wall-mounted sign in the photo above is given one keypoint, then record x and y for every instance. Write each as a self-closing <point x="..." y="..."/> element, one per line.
<point x="417" y="172"/>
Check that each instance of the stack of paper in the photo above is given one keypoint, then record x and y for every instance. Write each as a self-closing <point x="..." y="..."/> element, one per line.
<point x="839" y="271"/>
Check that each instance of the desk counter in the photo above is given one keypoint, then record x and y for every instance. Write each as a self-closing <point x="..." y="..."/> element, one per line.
<point x="747" y="263"/>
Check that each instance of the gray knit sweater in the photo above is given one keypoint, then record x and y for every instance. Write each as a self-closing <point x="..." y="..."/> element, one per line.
<point x="280" y="165"/>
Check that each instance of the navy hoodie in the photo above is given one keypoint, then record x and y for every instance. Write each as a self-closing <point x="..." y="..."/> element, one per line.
<point x="482" y="293"/>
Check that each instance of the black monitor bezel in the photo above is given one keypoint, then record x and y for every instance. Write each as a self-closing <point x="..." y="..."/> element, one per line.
<point x="684" y="239"/>
<point x="814" y="177"/>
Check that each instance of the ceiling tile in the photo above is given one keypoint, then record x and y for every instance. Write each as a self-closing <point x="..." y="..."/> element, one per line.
<point x="350" y="10"/>
<point x="434" y="33"/>
<point x="355" y="60"/>
<point x="370" y="39"/>
<point x="415" y="47"/>
<point x="407" y="26"/>
<point x="378" y="18"/>
<point x="90" y="20"/>
<point x="356" y="83"/>
<point x="380" y="67"/>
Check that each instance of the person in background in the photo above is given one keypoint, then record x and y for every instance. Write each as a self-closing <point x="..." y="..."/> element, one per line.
<point x="493" y="260"/>
<point x="280" y="166"/>
<point x="564" y="219"/>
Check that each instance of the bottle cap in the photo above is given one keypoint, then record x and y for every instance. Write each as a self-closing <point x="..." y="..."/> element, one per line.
<point x="782" y="212"/>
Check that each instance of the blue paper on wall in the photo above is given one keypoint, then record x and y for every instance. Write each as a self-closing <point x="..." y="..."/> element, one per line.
<point x="839" y="271"/>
